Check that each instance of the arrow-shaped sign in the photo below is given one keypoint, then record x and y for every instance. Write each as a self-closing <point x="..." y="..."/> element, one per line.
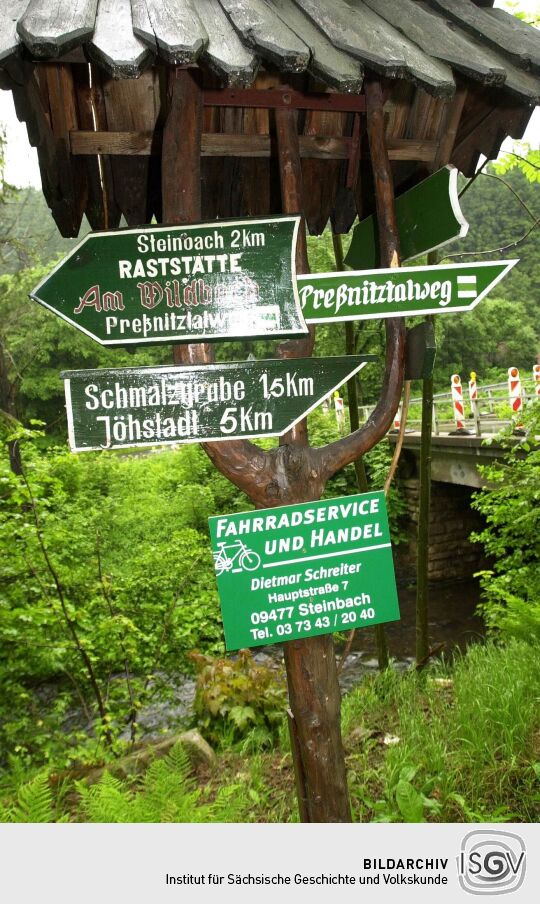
<point x="146" y="406"/>
<point x="428" y="217"/>
<point x="197" y="283"/>
<point x="400" y="292"/>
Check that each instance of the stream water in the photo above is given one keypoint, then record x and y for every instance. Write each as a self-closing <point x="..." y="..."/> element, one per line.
<point x="452" y="623"/>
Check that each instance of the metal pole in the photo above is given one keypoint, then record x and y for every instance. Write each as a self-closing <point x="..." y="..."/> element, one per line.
<point x="422" y="561"/>
<point x="359" y="467"/>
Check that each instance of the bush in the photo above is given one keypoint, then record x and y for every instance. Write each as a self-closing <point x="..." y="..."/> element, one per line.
<point x="238" y="697"/>
<point x="511" y="506"/>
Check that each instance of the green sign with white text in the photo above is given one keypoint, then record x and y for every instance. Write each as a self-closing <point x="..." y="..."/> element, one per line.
<point x="148" y="406"/>
<point x="302" y="570"/>
<point x="206" y="282"/>
<point x="398" y="292"/>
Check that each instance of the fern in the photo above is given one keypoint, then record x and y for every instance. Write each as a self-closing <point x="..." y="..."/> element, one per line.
<point x="107" y="801"/>
<point x="166" y="793"/>
<point x="34" y="803"/>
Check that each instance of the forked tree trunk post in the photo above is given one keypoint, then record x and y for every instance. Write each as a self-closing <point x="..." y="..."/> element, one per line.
<point x="294" y="472"/>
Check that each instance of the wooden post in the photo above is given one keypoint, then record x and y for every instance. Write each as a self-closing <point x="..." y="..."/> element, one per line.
<point x="430" y="421"/>
<point x="312" y="679"/>
<point x="293" y="472"/>
<point x="422" y="558"/>
<point x="314" y="693"/>
<point x="388" y="232"/>
<point x="359" y="467"/>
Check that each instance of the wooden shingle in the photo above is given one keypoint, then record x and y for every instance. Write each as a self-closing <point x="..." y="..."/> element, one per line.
<point x="114" y="45"/>
<point x="355" y="28"/>
<point x="261" y="28"/>
<point x="520" y="43"/>
<point x="50" y="29"/>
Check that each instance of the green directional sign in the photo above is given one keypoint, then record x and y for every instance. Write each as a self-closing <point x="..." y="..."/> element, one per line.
<point x="398" y="292"/>
<point x="428" y="217"/>
<point x="148" y="406"/>
<point x="301" y="570"/>
<point x="219" y="280"/>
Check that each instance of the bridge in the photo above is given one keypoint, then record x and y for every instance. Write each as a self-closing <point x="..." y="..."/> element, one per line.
<point x="460" y="427"/>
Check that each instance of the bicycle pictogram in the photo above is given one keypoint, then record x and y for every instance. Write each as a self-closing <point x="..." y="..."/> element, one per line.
<point x="242" y="559"/>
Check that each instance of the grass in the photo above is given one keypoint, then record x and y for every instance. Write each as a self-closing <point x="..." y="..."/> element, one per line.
<point x="468" y="745"/>
<point x="459" y="742"/>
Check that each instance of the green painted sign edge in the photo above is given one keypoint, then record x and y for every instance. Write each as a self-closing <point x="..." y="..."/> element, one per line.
<point x="312" y="278"/>
<point x="182" y="339"/>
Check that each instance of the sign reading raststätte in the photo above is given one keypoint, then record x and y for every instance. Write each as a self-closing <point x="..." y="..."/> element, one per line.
<point x="197" y="283"/>
<point x="301" y="570"/>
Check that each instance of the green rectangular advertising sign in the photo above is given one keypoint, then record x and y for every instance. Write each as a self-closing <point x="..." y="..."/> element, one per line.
<point x="301" y="570"/>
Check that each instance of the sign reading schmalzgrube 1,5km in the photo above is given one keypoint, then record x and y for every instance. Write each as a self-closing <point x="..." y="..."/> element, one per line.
<point x="148" y="406"/>
<point x="205" y="282"/>
<point x="302" y="570"/>
<point x="399" y="292"/>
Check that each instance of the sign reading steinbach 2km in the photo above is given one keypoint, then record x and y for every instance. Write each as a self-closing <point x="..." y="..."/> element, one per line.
<point x="302" y="570"/>
<point x="144" y="406"/>
<point x="210" y="281"/>
<point x="398" y="292"/>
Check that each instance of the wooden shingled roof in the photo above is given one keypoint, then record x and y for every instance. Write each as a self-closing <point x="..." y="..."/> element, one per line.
<point x="90" y="79"/>
<point x="335" y="41"/>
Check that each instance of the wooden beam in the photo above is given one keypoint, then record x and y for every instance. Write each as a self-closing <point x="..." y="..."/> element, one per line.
<point x="223" y="144"/>
<point x="285" y="97"/>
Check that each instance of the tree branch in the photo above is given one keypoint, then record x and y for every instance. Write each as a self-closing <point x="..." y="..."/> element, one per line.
<point x="240" y="461"/>
<point x="337" y="455"/>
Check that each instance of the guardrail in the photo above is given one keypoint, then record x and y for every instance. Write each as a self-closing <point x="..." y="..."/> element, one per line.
<point x="485" y="410"/>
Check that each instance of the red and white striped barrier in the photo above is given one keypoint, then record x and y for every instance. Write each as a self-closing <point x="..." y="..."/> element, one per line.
<point x="397" y="418"/>
<point x="514" y="390"/>
<point x="457" y="402"/>
<point x="536" y="378"/>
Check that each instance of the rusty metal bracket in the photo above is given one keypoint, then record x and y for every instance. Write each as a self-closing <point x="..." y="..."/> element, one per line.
<point x="273" y="98"/>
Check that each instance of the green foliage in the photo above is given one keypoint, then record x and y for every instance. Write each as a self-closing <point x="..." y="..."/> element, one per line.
<point x="34" y="802"/>
<point x="511" y="506"/>
<point x="239" y="697"/>
<point x="453" y="744"/>
<point x="166" y="793"/>
<point x="523" y="158"/>
<point x="30" y="235"/>
<point x="488" y="340"/>
<point x="458" y="742"/>
<point x="105" y="555"/>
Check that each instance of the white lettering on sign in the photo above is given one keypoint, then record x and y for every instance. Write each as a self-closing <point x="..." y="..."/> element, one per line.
<point x="297" y="517"/>
<point x="189" y="265"/>
<point x="186" y="393"/>
<point x="149" y="243"/>
<point x="372" y="293"/>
